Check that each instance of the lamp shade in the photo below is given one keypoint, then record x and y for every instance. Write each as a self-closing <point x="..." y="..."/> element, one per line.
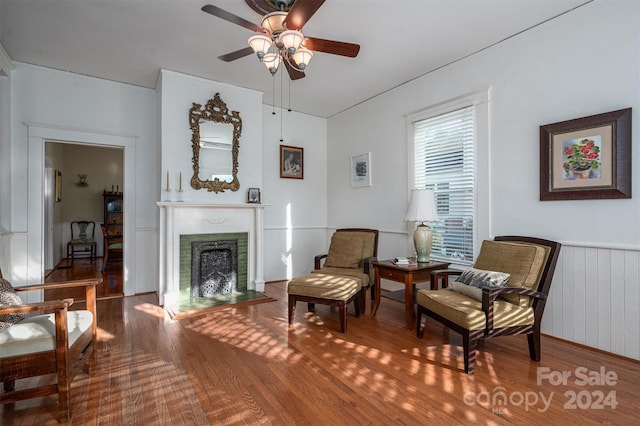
<point x="422" y="206"/>
<point x="291" y="40"/>
<point x="271" y="61"/>
<point x="302" y="57"/>
<point x="260" y="44"/>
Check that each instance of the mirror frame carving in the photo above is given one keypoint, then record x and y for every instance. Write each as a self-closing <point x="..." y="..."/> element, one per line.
<point x="214" y="110"/>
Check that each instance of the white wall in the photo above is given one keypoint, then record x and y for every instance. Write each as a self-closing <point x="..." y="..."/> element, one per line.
<point x="295" y="212"/>
<point x="178" y="92"/>
<point x="554" y="72"/>
<point x="49" y="104"/>
<point x="295" y="219"/>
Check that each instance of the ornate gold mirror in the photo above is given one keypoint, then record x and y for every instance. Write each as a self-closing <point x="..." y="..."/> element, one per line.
<point x="215" y="143"/>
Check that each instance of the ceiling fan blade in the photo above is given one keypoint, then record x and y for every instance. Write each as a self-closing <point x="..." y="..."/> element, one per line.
<point x="301" y="12"/>
<point x="232" y="56"/>
<point x="223" y="14"/>
<point x="334" y="47"/>
<point x="294" y="74"/>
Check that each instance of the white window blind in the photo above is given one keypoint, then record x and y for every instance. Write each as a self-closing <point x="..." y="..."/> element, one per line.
<point x="444" y="161"/>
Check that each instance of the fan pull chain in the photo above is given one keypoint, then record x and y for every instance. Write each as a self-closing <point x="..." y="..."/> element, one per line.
<point x="281" y="89"/>
<point x="273" y="98"/>
<point x="289" y="109"/>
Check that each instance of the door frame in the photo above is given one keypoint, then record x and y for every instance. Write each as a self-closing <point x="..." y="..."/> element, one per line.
<point x="38" y="134"/>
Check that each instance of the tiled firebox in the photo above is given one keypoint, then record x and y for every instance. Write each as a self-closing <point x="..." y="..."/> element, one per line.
<point x="241" y="240"/>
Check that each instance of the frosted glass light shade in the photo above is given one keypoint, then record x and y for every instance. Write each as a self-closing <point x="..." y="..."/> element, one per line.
<point x="260" y="44"/>
<point x="291" y="40"/>
<point x="302" y="57"/>
<point x="271" y="61"/>
<point x="422" y="206"/>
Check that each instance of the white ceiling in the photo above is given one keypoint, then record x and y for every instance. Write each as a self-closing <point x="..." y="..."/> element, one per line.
<point x="130" y="41"/>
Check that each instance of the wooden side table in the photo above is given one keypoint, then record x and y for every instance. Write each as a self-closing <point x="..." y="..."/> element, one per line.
<point x="407" y="274"/>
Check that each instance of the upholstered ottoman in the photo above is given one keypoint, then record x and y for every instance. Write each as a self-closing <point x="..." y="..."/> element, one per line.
<point x="325" y="289"/>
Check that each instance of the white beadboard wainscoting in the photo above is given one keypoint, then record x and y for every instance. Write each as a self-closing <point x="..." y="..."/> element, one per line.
<point x="594" y="299"/>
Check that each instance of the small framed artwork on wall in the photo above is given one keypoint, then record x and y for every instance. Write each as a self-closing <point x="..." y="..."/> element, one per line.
<point x="361" y="170"/>
<point x="291" y="162"/>
<point x="586" y="158"/>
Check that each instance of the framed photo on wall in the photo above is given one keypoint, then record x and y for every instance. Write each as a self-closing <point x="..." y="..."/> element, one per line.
<point x="291" y="162"/>
<point x="361" y="170"/>
<point x="586" y="158"/>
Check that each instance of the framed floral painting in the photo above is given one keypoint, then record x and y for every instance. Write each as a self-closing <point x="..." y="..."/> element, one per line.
<point x="586" y="158"/>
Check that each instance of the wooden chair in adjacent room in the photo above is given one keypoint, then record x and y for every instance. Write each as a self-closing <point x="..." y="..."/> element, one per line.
<point x="82" y="240"/>
<point x="113" y="248"/>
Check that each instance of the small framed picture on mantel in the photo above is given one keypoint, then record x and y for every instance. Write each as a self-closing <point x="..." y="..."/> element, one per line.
<point x="253" y="196"/>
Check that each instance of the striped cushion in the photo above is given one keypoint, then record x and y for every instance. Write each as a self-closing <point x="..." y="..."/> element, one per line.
<point x="467" y="312"/>
<point x="324" y="286"/>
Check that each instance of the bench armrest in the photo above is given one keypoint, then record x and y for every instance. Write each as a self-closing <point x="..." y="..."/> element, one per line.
<point x="34" y="307"/>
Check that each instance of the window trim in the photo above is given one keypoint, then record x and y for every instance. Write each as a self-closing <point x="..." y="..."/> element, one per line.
<point x="482" y="207"/>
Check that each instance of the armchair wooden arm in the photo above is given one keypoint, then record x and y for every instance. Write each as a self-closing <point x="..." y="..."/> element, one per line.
<point x="368" y="264"/>
<point x="440" y="277"/>
<point x="318" y="260"/>
<point x="89" y="285"/>
<point x="489" y="294"/>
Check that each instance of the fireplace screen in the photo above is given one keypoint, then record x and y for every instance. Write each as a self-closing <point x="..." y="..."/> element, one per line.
<point x="214" y="268"/>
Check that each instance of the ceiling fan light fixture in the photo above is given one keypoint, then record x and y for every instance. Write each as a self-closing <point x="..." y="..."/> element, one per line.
<point x="273" y="22"/>
<point x="271" y="61"/>
<point x="301" y="57"/>
<point x="291" y="40"/>
<point x="260" y="44"/>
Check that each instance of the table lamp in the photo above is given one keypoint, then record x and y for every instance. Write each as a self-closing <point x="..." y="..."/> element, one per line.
<point x="422" y="208"/>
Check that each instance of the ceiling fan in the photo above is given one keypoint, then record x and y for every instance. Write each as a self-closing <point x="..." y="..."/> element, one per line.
<point x="279" y="38"/>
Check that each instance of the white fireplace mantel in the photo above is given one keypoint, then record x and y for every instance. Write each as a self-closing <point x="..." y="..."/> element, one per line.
<point x="177" y="218"/>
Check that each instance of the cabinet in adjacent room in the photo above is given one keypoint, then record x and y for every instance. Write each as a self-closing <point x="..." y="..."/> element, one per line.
<point x="113" y="213"/>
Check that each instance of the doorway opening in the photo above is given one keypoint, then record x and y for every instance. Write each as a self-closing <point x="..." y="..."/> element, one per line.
<point x="80" y="183"/>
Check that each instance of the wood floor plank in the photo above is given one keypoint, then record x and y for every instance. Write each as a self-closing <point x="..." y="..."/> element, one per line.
<point x="248" y="366"/>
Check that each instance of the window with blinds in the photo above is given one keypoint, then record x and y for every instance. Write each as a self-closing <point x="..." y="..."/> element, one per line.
<point x="444" y="161"/>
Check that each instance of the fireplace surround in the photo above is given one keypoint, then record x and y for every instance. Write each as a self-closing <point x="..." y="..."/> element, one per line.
<point x="199" y="219"/>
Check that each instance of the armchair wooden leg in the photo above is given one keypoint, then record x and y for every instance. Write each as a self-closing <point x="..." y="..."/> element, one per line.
<point x="419" y="328"/>
<point x="470" y="340"/>
<point x="534" y="344"/>
<point x="356" y="304"/>
<point x="342" y="308"/>
<point x="311" y="307"/>
<point x="292" y="307"/>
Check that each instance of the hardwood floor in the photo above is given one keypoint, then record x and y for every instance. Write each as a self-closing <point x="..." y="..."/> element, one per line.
<point x="246" y="365"/>
<point x="112" y="283"/>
